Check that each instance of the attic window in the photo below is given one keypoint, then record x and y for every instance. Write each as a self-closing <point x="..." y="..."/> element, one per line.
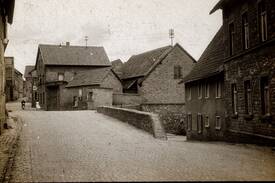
<point x="177" y="72"/>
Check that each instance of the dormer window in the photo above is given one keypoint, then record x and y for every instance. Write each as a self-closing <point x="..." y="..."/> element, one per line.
<point x="262" y="16"/>
<point x="245" y="31"/>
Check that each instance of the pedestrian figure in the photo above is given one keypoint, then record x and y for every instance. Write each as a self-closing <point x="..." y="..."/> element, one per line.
<point x="23" y="104"/>
<point x="37" y="106"/>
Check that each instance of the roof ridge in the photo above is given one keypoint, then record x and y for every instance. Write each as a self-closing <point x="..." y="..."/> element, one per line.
<point x="149" y="51"/>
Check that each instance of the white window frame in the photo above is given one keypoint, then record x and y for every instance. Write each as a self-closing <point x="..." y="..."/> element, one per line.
<point x="245" y="31"/>
<point x="207" y="90"/>
<point x="218" y="123"/>
<point x="189" y="93"/>
<point x="207" y="122"/>
<point x="218" y="89"/>
<point x="61" y="76"/>
<point x="199" y="123"/>
<point x="200" y="91"/>
<point x="235" y="98"/>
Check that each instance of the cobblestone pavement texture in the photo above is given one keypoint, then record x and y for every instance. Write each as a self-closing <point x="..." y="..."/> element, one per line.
<point x="8" y="140"/>
<point x="88" y="146"/>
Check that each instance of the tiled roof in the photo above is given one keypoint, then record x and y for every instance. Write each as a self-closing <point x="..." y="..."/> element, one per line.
<point x="222" y="3"/>
<point x="211" y="61"/>
<point x="74" y="55"/>
<point x="117" y="67"/>
<point x="139" y="65"/>
<point x="28" y="70"/>
<point x="89" y="77"/>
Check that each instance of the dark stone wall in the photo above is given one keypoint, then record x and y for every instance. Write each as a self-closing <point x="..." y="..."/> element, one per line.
<point x="252" y="67"/>
<point x="234" y="14"/>
<point x="172" y="116"/>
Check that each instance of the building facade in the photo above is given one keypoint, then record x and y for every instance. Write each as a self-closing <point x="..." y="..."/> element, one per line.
<point x="6" y="16"/>
<point x="18" y="89"/>
<point x="9" y="78"/>
<point x="154" y="76"/>
<point x="28" y="82"/>
<point x="249" y="36"/>
<point x="205" y="96"/>
<point x="57" y="65"/>
<point x="14" y="83"/>
<point x="93" y="88"/>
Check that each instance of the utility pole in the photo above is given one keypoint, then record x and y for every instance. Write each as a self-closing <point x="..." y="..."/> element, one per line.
<point x="171" y="36"/>
<point x="86" y="40"/>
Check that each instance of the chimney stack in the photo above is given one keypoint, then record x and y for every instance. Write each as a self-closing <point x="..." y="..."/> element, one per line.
<point x="67" y="43"/>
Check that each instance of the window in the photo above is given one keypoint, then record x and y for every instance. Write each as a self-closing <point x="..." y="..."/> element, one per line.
<point x="207" y="90"/>
<point x="189" y="122"/>
<point x="60" y="76"/>
<point x="248" y="97"/>
<point x="207" y="122"/>
<point x="234" y="98"/>
<point x="265" y="96"/>
<point x="177" y="72"/>
<point x="231" y="38"/>
<point x="80" y="92"/>
<point x="199" y="123"/>
<point x="262" y="17"/>
<point x="189" y="93"/>
<point x="245" y="31"/>
<point x="200" y="91"/>
<point x="218" y="122"/>
<point x="218" y="89"/>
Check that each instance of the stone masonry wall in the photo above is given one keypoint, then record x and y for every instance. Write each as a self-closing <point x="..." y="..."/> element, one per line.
<point x="171" y="116"/>
<point x="160" y="87"/>
<point x="252" y="67"/>
<point x="2" y="77"/>
<point x="146" y="121"/>
<point x="234" y="14"/>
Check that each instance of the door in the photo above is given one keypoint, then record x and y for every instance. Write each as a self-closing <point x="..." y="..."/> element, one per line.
<point x="52" y="99"/>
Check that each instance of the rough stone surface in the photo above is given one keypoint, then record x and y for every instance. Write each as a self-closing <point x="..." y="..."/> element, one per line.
<point x="8" y="144"/>
<point x="172" y="116"/>
<point x="87" y="146"/>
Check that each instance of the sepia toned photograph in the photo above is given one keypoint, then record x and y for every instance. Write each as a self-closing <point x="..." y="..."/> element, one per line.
<point x="137" y="90"/>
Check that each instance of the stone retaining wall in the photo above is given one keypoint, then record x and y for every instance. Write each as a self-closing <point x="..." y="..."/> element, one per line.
<point x="172" y="116"/>
<point x="146" y="121"/>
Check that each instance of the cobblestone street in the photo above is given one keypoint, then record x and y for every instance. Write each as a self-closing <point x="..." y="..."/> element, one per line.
<point x="88" y="146"/>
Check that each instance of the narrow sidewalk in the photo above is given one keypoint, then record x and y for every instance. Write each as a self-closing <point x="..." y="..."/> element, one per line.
<point x="8" y="144"/>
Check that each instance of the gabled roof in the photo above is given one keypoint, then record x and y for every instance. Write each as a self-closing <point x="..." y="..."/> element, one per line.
<point x="73" y="55"/>
<point x="222" y="3"/>
<point x="140" y="65"/>
<point x="211" y="61"/>
<point x="90" y="77"/>
<point x="18" y="72"/>
<point x="28" y="70"/>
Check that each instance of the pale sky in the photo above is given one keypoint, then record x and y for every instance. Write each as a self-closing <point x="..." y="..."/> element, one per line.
<point x="122" y="27"/>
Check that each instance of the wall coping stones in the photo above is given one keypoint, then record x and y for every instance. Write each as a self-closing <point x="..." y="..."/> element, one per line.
<point x="146" y="121"/>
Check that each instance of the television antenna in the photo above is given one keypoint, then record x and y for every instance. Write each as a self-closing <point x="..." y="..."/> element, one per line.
<point x="172" y="36"/>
